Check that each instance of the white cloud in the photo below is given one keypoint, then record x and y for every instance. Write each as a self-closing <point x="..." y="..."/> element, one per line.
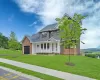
<point x="32" y="24"/>
<point x="91" y="38"/>
<point x="50" y="9"/>
<point x="29" y="5"/>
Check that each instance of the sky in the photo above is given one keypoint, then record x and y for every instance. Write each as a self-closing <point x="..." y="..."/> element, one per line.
<point x="27" y="17"/>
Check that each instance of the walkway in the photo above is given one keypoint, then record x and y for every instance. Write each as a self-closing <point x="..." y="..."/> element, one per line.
<point x="51" y="72"/>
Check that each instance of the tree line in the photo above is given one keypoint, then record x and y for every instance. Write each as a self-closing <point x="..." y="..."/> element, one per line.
<point x="10" y="42"/>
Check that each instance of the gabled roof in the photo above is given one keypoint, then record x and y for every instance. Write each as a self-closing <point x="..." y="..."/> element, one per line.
<point x="49" y="27"/>
<point x="36" y="37"/>
<point x="26" y="36"/>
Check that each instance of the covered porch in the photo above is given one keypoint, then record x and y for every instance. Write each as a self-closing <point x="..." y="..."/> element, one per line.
<point x="46" y="47"/>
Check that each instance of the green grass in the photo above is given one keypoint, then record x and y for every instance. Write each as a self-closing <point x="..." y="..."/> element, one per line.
<point x="10" y="52"/>
<point x="39" y="75"/>
<point x="84" y="66"/>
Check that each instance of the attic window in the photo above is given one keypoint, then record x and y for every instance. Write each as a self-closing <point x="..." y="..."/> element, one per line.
<point x="44" y="34"/>
<point x="52" y="33"/>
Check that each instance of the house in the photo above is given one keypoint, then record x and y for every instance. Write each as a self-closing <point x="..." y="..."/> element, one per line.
<point x="47" y="40"/>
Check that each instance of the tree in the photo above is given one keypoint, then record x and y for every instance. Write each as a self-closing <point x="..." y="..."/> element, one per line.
<point x="13" y="43"/>
<point x="3" y="41"/>
<point x="12" y="36"/>
<point x="70" y="30"/>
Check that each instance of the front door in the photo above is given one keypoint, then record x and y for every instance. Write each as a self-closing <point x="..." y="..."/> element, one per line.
<point x="26" y="49"/>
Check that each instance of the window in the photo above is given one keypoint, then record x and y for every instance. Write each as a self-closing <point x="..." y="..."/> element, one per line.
<point x="47" y="45"/>
<point x="51" y="34"/>
<point x="41" y="46"/>
<point x="37" y="45"/>
<point x="44" y="34"/>
<point x="44" y="45"/>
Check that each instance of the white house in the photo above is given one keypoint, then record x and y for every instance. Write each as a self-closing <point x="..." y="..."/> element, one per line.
<point x="47" y="40"/>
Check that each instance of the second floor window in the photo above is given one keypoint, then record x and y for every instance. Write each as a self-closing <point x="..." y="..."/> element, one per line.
<point x="44" y="34"/>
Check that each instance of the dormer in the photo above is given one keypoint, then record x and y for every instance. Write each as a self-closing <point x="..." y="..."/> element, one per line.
<point x="48" y="30"/>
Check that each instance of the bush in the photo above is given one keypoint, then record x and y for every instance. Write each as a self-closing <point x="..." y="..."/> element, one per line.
<point x="91" y="55"/>
<point x="47" y="53"/>
<point x="14" y="45"/>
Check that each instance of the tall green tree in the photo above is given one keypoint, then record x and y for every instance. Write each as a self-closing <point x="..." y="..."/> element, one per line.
<point x="12" y="36"/>
<point x="3" y="41"/>
<point x="13" y="43"/>
<point x="70" y="30"/>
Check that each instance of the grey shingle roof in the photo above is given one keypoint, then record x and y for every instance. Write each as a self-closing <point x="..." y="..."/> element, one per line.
<point x="36" y="37"/>
<point x="56" y="36"/>
<point x="49" y="27"/>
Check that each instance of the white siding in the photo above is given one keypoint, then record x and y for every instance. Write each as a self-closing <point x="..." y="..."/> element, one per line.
<point x="58" y="47"/>
<point x="33" y="49"/>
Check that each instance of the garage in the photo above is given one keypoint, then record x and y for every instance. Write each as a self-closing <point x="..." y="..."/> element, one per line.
<point x="26" y="49"/>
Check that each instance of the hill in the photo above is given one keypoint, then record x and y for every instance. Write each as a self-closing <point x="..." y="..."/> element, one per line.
<point x="90" y="50"/>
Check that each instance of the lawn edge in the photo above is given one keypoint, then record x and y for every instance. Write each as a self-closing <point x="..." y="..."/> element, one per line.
<point x="29" y="72"/>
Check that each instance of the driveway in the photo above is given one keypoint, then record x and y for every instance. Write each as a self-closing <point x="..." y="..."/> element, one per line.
<point x="10" y="74"/>
<point x="6" y="75"/>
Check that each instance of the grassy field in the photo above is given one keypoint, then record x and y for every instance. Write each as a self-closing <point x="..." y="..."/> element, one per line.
<point x="85" y="66"/>
<point x="10" y="52"/>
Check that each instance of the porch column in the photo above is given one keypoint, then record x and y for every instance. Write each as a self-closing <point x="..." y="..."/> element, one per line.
<point x="50" y="47"/>
<point x="46" y="47"/>
<point x="58" y="48"/>
<point x="40" y="47"/>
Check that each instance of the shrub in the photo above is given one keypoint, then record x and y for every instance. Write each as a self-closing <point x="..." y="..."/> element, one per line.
<point x="91" y="55"/>
<point x="47" y="53"/>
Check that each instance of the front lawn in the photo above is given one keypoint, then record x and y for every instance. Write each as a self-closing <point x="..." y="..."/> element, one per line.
<point x="10" y="52"/>
<point x="85" y="66"/>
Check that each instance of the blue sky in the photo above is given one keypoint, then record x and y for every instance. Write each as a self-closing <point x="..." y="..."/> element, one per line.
<point x="13" y="19"/>
<point x="26" y="17"/>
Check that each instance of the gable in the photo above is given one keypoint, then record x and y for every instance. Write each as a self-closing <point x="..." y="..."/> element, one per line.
<point x="52" y="39"/>
<point x="26" y="41"/>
